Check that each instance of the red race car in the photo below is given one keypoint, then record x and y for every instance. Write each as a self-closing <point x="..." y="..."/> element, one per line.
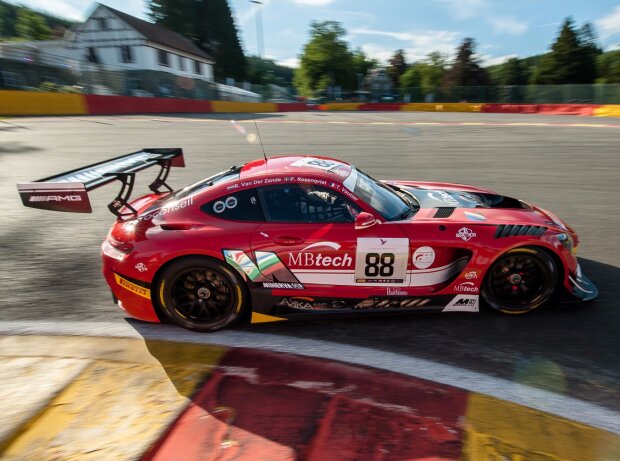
<point x="301" y="236"/>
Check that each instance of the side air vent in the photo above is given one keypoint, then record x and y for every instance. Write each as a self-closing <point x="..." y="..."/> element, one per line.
<point x="516" y="230"/>
<point x="443" y="212"/>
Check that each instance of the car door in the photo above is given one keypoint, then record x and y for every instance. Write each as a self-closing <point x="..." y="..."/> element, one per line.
<point x="310" y="237"/>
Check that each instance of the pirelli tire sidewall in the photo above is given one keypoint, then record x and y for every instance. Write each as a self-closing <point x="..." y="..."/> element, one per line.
<point x="167" y="304"/>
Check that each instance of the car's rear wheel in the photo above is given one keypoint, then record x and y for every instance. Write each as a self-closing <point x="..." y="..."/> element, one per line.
<point x="520" y="280"/>
<point x="201" y="294"/>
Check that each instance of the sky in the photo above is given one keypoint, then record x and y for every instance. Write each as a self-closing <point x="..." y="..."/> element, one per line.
<point x="502" y="28"/>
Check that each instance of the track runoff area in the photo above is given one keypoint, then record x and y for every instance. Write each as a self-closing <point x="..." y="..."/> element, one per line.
<point x="558" y="361"/>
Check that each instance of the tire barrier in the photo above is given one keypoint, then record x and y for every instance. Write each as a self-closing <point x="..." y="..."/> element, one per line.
<point x="93" y="398"/>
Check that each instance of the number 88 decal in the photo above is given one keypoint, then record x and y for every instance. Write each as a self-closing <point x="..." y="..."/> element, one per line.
<point x="379" y="264"/>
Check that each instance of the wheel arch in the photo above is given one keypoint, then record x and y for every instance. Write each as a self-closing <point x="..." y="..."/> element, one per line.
<point x="220" y="260"/>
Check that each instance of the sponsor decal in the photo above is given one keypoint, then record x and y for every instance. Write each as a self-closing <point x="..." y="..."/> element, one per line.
<point x="130" y="286"/>
<point x="423" y="257"/>
<point x="283" y="286"/>
<point x="222" y="205"/>
<point x="141" y="267"/>
<point x="472" y="275"/>
<point x="474" y="216"/>
<point x="167" y="209"/>
<point x="466" y="287"/>
<point x="300" y="302"/>
<point x="55" y="198"/>
<point x="391" y="303"/>
<point x="268" y="268"/>
<point x="318" y="163"/>
<point x="396" y="292"/>
<point x="442" y="196"/>
<point x="463" y="303"/>
<point x="304" y="258"/>
<point x="465" y="233"/>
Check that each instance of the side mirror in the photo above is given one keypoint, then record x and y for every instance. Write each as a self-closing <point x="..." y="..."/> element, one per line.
<point x="365" y="220"/>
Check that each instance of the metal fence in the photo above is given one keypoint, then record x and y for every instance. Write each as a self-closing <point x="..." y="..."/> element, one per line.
<point x="30" y="69"/>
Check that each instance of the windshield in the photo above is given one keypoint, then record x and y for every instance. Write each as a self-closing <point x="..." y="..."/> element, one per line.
<point x="387" y="203"/>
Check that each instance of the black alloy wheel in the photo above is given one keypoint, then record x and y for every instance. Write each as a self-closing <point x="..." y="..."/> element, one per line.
<point x="520" y="280"/>
<point x="201" y="294"/>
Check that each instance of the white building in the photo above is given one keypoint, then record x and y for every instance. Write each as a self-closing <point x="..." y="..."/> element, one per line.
<point x="113" y="53"/>
<point x="113" y="38"/>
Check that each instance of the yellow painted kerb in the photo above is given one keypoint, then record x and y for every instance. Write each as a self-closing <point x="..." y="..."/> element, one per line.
<point x="33" y="103"/>
<point x="500" y="430"/>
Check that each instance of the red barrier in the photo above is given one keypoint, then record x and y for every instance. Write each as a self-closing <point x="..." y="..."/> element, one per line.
<point x="545" y="109"/>
<point x="383" y="106"/>
<point x="509" y="108"/>
<point x="292" y="107"/>
<point x="108" y="105"/>
<point x="567" y="109"/>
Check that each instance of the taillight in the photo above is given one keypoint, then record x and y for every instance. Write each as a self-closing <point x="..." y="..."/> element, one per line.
<point x="123" y="247"/>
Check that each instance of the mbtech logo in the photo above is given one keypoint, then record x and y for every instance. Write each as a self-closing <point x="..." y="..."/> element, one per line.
<point x="308" y="259"/>
<point x="55" y="198"/>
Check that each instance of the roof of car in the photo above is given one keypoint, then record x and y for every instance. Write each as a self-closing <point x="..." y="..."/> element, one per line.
<point x="296" y="164"/>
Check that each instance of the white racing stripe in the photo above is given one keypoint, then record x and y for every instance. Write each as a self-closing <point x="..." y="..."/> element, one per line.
<point x="417" y="277"/>
<point x="557" y="404"/>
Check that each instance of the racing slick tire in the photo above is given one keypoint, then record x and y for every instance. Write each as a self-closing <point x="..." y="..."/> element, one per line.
<point x="520" y="280"/>
<point x="201" y="294"/>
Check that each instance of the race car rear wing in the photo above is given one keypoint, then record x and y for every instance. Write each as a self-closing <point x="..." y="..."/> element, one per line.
<point x="69" y="191"/>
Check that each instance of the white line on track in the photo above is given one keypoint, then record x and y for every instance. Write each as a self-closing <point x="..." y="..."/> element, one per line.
<point x="557" y="404"/>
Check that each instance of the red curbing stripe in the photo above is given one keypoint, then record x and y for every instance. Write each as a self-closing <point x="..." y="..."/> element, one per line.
<point x="265" y="405"/>
<point x="509" y="108"/>
<point x="109" y="105"/>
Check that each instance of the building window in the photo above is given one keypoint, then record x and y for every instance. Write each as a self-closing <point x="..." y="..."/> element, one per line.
<point x="102" y="23"/>
<point x="163" y="58"/>
<point x="92" y="55"/>
<point x="197" y="67"/>
<point x="126" y="53"/>
<point x="181" y="63"/>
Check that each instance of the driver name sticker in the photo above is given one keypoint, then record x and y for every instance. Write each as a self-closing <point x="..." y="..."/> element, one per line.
<point x="381" y="260"/>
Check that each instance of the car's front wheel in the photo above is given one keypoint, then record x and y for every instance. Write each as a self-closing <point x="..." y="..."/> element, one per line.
<point x="201" y="294"/>
<point x="520" y="280"/>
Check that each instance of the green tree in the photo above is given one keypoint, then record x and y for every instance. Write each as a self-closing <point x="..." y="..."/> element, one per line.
<point x="31" y="25"/>
<point x="210" y="25"/>
<point x="426" y="75"/>
<point x="466" y="70"/>
<point x="325" y="60"/>
<point x="361" y="64"/>
<point x="398" y="66"/>
<point x="262" y="71"/>
<point x="608" y="67"/>
<point x="572" y="58"/>
<point x="513" y="72"/>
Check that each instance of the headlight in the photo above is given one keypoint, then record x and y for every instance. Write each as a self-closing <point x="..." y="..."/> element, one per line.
<point x="567" y="242"/>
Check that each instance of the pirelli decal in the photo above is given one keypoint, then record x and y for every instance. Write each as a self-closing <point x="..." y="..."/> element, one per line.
<point x="133" y="287"/>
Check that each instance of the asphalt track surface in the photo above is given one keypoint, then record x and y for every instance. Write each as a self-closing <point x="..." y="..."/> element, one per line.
<point x="50" y="268"/>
